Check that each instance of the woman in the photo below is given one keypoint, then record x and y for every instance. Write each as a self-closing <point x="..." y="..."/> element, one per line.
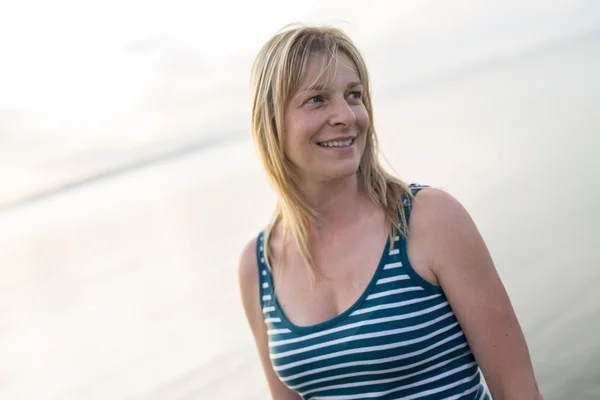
<point x="360" y="288"/>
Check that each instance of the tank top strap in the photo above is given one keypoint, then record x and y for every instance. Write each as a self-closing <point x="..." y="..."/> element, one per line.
<point x="415" y="187"/>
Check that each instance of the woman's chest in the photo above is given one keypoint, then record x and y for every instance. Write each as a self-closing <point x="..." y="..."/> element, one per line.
<point x="345" y="270"/>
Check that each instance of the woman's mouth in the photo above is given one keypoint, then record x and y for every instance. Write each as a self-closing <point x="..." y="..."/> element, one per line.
<point x="337" y="143"/>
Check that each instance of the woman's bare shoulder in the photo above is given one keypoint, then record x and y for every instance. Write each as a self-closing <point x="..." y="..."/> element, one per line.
<point x="440" y="226"/>
<point x="437" y="214"/>
<point x="248" y="271"/>
<point x="434" y="206"/>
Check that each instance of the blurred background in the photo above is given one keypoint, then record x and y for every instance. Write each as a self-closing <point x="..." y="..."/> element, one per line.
<point x="129" y="184"/>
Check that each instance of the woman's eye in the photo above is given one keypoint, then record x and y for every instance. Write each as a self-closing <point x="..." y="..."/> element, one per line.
<point x="315" y="99"/>
<point x="356" y="95"/>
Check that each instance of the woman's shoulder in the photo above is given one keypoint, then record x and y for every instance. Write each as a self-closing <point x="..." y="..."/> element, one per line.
<point x="247" y="256"/>
<point x="248" y="264"/>
<point x="435" y="207"/>
<point x="440" y="223"/>
<point x="247" y="271"/>
<point x="436" y="212"/>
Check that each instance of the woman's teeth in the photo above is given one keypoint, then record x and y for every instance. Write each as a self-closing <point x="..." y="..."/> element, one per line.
<point x="343" y="143"/>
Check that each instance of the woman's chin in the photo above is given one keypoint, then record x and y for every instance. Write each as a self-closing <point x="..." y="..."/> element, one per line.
<point x="344" y="171"/>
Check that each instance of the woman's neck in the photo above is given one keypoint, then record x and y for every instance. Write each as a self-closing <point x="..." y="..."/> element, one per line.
<point x="339" y="204"/>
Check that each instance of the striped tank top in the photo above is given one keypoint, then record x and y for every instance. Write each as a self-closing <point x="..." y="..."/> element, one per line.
<point x="399" y="340"/>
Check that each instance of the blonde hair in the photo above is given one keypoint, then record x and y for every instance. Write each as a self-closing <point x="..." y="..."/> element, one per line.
<point x="277" y="74"/>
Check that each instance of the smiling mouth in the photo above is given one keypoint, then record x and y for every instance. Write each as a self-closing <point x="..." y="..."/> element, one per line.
<point x="337" y="143"/>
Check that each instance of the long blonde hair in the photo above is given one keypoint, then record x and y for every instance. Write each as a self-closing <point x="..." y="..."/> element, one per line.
<point x="277" y="74"/>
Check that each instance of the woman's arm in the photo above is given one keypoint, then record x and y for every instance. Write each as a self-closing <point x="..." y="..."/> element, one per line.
<point x="464" y="269"/>
<point x="249" y="289"/>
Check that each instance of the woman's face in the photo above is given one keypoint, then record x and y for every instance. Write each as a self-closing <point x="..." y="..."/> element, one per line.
<point x="326" y="127"/>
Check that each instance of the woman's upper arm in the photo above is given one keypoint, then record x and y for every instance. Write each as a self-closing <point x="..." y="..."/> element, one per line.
<point x="465" y="271"/>
<point x="249" y="290"/>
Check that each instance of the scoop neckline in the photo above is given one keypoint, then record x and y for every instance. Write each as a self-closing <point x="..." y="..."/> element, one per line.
<point x="285" y="322"/>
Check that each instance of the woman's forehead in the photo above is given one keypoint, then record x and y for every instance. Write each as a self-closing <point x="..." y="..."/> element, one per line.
<point x="322" y="71"/>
